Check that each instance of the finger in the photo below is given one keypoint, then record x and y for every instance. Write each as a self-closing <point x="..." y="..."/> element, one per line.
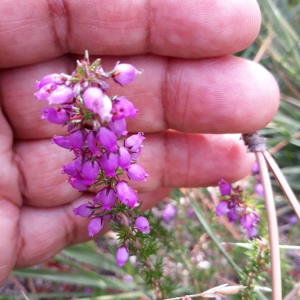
<point x="172" y="159"/>
<point x="218" y="95"/>
<point x="9" y="230"/>
<point x="175" y="28"/>
<point x="10" y="200"/>
<point x="46" y="231"/>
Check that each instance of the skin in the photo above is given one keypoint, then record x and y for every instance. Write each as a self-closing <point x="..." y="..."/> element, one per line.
<point x="191" y="84"/>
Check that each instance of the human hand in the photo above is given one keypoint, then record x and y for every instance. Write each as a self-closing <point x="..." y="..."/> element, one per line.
<point x="190" y="84"/>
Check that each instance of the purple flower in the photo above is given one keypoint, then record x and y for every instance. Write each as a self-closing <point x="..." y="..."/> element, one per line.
<point x="224" y="187"/>
<point x="107" y="198"/>
<point x="293" y="220"/>
<point x="93" y="143"/>
<point x="109" y="163"/>
<point x="124" y="158"/>
<point x="77" y="139"/>
<point x="134" y="142"/>
<point x="122" y="256"/>
<point x="83" y="210"/>
<point x="232" y="214"/>
<point x="126" y="194"/>
<point x="124" y="73"/>
<point x="90" y="170"/>
<point x="108" y="139"/>
<point x="142" y="224"/>
<point x="169" y="212"/>
<point x="69" y="169"/>
<point x="93" y="99"/>
<point x="255" y="168"/>
<point x="62" y="141"/>
<point x="123" y="108"/>
<point x="191" y="213"/>
<point x="78" y="163"/>
<point x="95" y="225"/>
<point x="247" y="220"/>
<point x="45" y="92"/>
<point x="136" y="154"/>
<point x="118" y="127"/>
<point x="55" y="116"/>
<point x="222" y="208"/>
<point x="259" y="189"/>
<point x="136" y="172"/>
<point x="252" y="232"/>
<point x="78" y="183"/>
<point x="62" y="94"/>
<point x="105" y="112"/>
<point x="51" y="78"/>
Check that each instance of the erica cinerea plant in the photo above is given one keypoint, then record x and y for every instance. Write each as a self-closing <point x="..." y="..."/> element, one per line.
<point x="96" y="124"/>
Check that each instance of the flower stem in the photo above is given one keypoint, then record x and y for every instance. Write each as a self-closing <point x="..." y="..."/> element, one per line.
<point x="283" y="183"/>
<point x="273" y="227"/>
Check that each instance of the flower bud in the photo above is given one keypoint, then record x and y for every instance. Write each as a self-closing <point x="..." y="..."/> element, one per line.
<point x="118" y="127"/>
<point x="191" y="213"/>
<point x="69" y="169"/>
<point x="62" y="141"/>
<point x="62" y="94"/>
<point x="255" y="168"/>
<point x="136" y="172"/>
<point x="51" y="78"/>
<point x="124" y="73"/>
<point x="45" y="92"/>
<point x="123" y="108"/>
<point x="108" y="139"/>
<point x="90" y="170"/>
<point x="136" y="154"/>
<point x="77" y="139"/>
<point x="232" y="215"/>
<point x="109" y="163"/>
<point x="124" y="158"/>
<point x="169" y="212"/>
<point x="78" y="183"/>
<point x="83" y="210"/>
<point x="259" y="189"/>
<point x="134" y="142"/>
<point x="105" y="111"/>
<point x="222" y="208"/>
<point x="107" y="198"/>
<point x="93" y="99"/>
<point x="122" y="256"/>
<point x="93" y="143"/>
<point x="247" y="220"/>
<point x="126" y="194"/>
<point x="252" y="232"/>
<point x="95" y="225"/>
<point x="142" y="224"/>
<point x="224" y="187"/>
<point x="55" y="116"/>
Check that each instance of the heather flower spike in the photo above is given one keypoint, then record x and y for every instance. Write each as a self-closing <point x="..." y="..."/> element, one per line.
<point x="236" y="209"/>
<point x="96" y="123"/>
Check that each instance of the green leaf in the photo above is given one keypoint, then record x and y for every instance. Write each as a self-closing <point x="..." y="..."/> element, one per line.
<point x="201" y="216"/>
<point x="84" y="253"/>
<point x="56" y="276"/>
<point x="129" y="296"/>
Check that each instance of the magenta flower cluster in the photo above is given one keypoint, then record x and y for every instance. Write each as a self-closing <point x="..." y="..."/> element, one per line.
<point x="96" y="124"/>
<point x="235" y="208"/>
